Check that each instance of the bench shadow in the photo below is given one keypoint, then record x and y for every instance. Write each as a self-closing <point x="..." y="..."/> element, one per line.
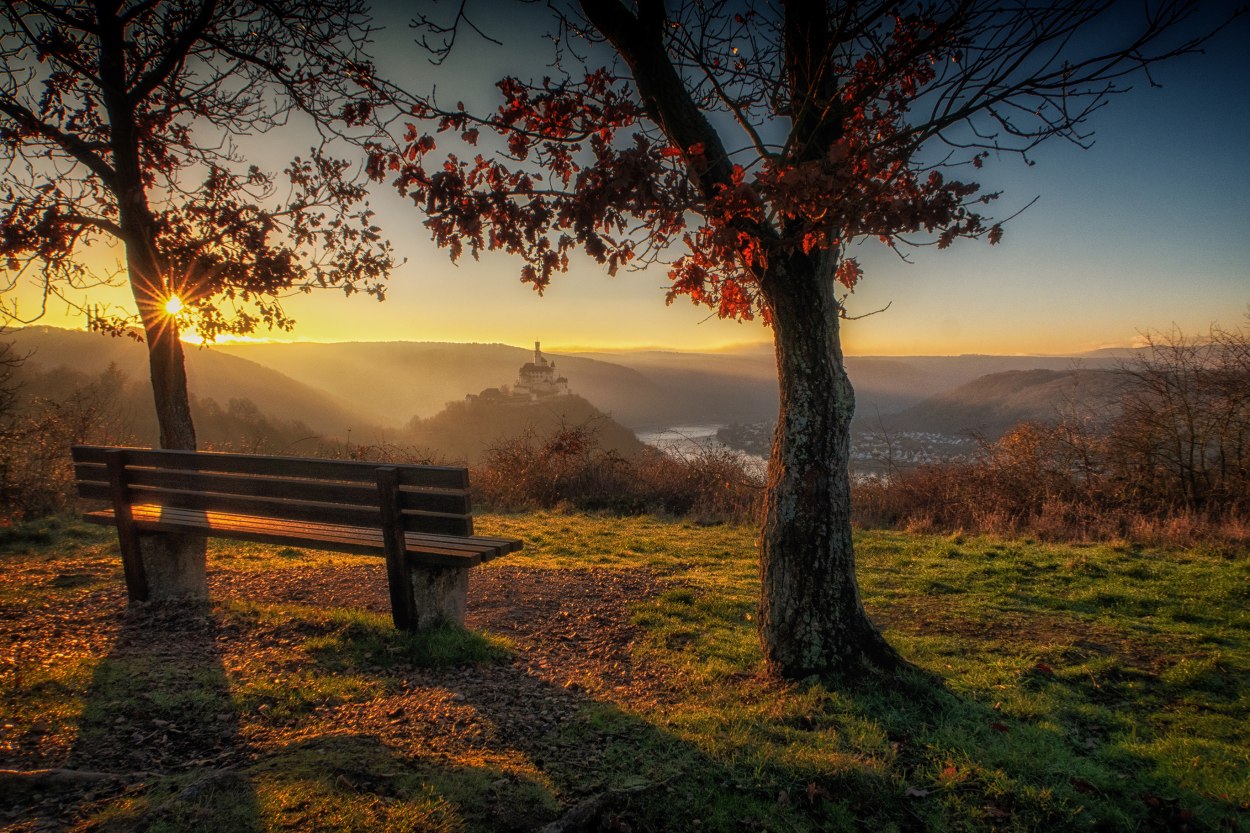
<point x="159" y="713"/>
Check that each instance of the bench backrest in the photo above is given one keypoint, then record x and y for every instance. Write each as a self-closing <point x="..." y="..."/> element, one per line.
<point x="431" y="498"/>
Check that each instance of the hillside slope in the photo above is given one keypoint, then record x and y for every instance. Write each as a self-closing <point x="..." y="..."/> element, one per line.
<point x="993" y="403"/>
<point x="395" y="381"/>
<point x="211" y="373"/>
<point x="465" y="432"/>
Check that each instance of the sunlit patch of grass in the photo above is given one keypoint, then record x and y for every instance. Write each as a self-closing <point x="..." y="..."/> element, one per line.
<point x="320" y="804"/>
<point x="286" y="697"/>
<point x="247" y="555"/>
<point x="1198" y="764"/>
<point x="352" y="639"/>
<point x="563" y="541"/>
<point x="43" y="695"/>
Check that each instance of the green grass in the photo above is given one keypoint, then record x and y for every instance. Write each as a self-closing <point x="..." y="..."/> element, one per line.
<point x="1080" y="687"/>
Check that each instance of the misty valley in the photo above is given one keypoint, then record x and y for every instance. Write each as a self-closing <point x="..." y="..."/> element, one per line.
<point x="307" y="398"/>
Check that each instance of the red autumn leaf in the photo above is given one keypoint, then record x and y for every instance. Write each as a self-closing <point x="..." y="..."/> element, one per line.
<point x="849" y="273"/>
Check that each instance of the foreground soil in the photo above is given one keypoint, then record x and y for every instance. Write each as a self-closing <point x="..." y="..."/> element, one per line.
<point x="569" y="630"/>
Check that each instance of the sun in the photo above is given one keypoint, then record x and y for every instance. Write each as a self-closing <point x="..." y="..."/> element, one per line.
<point x="174" y="305"/>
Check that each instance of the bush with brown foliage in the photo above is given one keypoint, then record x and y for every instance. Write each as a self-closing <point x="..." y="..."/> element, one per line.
<point x="568" y="468"/>
<point x="36" y="475"/>
<point x="1172" y="465"/>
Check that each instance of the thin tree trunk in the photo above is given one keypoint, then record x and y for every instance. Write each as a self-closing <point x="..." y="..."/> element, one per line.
<point x="174" y="565"/>
<point x="811" y="617"/>
<point x="138" y="231"/>
<point x="166" y="363"/>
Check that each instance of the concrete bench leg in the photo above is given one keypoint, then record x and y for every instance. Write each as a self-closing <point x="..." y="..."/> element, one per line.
<point x="439" y="594"/>
<point x="173" y="567"/>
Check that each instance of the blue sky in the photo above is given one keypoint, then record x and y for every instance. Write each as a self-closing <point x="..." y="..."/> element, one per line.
<point x="1148" y="228"/>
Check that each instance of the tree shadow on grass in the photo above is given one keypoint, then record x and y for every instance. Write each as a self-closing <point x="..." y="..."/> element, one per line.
<point x="488" y="746"/>
<point x="159" y="713"/>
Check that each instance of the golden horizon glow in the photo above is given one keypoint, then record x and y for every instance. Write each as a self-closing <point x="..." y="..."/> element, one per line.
<point x="229" y="338"/>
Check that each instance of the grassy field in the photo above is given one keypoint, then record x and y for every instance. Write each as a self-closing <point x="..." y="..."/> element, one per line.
<point x="612" y="671"/>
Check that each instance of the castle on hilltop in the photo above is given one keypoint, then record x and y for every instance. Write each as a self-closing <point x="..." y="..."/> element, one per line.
<point x="538" y="378"/>
<point x="536" y="381"/>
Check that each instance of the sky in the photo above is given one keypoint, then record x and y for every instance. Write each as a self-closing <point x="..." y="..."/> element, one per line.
<point x="1148" y="229"/>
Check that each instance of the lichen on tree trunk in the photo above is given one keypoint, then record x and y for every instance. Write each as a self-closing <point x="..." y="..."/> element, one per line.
<point x="811" y="617"/>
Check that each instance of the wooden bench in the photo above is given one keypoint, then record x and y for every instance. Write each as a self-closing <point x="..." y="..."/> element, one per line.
<point x="418" y="517"/>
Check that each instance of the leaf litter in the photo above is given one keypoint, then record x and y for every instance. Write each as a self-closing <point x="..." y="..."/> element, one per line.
<point x="206" y="693"/>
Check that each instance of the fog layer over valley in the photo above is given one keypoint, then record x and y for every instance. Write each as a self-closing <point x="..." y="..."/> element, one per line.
<point x="290" y="397"/>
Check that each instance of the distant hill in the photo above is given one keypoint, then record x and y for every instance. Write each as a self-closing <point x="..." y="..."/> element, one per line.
<point x="374" y="389"/>
<point x="211" y="374"/>
<point x="1114" y="354"/>
<point x="741" y="385"/>
<point x="466" y="431"/>
<point x="641" y="389"/>
<point x="395" y="381"/>
<point x="699" y="387"/>
<point x="994" y="403"/>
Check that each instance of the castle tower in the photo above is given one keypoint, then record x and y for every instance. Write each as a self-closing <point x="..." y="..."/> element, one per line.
<point x="538" y="379"/>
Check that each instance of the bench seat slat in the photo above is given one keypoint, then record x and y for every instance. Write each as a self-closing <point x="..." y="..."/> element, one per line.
<point x="442" y="477"/>
<point x="428" y="550"/>
<point x="151" y="513"/>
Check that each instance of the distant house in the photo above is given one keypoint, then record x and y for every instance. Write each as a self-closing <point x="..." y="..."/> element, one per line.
<point x="536" y="381"/>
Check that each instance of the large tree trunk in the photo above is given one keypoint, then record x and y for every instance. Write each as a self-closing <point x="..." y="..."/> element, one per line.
<point x="811" y="617"/>
<point x="148" y="281"/>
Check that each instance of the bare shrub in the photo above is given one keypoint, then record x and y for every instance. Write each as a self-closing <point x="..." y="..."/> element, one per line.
<point x="568" y="468"/>
<point x="1182" y="439"/>
<point x="379" y="451"/>
<point x="36" y="474"/>
<point x="1024" y="484"/>
<point x="1171" y="467"/>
